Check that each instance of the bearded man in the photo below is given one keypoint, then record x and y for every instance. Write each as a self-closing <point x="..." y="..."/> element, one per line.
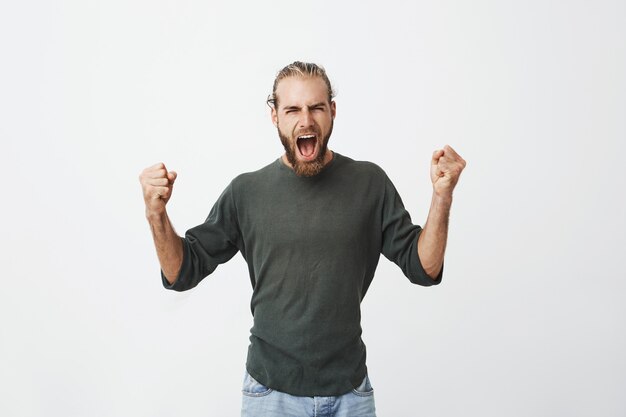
<point x="311" y="226"/>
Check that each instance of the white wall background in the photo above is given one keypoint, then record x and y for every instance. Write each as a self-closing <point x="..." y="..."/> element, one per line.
<point x="530" y="319"/>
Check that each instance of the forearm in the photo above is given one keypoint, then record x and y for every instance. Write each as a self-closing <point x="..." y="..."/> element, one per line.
<point x="431" y="246"/>
<point x="169" y="245"/>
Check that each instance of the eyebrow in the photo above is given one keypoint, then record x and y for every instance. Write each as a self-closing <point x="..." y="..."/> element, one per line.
<point x="320" y="104"/>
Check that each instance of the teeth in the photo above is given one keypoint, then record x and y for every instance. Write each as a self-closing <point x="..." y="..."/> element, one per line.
<point x="306" y="136"/>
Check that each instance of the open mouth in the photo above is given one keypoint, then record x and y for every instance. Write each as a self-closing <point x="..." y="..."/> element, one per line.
<point x="307" y="145"/>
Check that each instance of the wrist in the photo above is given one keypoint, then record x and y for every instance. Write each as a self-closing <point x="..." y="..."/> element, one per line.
<point x="156" y="214"/>
<point x="442" y="198"/>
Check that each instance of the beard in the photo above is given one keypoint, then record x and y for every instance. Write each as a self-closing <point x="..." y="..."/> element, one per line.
<point x="305" y="168"/>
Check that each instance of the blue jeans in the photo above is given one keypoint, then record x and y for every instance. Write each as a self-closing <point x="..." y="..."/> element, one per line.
<point x="261" y="401"/>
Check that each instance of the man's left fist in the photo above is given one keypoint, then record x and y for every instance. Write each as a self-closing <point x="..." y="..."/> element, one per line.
<point x="445" y="170"/>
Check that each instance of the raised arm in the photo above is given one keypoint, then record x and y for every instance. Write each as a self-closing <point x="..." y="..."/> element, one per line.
<point x="446" y="167"/>
<point x="157" y="184"/>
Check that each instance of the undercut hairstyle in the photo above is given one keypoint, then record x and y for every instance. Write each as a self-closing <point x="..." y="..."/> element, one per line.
<point x="300" y="69"/>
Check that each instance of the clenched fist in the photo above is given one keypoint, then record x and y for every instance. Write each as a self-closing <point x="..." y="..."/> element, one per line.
<point x="445" y="168"/>
<point x="157" y="184"/>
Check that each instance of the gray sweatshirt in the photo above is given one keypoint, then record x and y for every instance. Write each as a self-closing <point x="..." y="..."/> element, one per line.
<point x="312" y="245"/>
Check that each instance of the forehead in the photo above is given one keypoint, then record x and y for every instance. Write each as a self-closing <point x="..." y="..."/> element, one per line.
<point x="301" y="91"/>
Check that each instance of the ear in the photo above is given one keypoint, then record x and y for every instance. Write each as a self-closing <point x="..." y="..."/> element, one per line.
<point x="274" y="115"/>
<point x="333" y="109"/>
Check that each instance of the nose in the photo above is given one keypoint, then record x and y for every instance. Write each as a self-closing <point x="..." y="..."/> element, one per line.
<point x="306" y="119"/>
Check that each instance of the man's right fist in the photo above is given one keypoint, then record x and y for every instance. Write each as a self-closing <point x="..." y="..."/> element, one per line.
<point x="157" y="184"/>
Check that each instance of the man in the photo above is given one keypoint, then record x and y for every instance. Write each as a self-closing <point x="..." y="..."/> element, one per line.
<point x="311" y="226"/>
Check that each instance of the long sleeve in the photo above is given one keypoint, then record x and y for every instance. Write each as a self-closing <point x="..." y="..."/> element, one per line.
<point x="400" y="238"/>
<point x="209" y="244"/>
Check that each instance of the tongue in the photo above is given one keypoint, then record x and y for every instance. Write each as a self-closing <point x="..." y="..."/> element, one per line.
<point x="306" y="146"/>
